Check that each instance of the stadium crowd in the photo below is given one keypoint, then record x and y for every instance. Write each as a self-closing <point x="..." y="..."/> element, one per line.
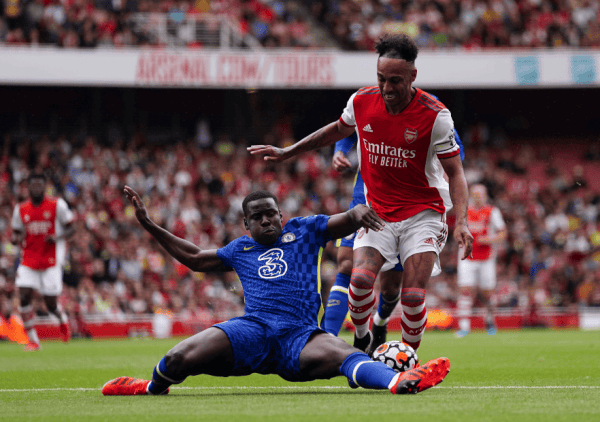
<point x="551" y="257"/>
<point x="355" y="25"/>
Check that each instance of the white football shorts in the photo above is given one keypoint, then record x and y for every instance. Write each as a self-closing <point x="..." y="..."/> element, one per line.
<point x="425" y="232"/>
<point x="48" y="281"/>
<point x="477" y="273"/>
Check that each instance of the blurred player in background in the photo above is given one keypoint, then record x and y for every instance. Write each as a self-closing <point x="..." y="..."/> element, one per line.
<point x="279" y="267"/>
<point x="477" y="274"/>
<point x="390" y="282"/>
<point x="40" y="226"/>
<point x="407" y="142"/>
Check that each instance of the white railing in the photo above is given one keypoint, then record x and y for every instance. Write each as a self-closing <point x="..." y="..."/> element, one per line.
<point x="209" y="30"/>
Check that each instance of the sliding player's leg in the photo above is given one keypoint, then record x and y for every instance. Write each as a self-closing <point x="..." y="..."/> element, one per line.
<point x="325" y="356"/>
<point x="208" y="352"/>
<point x="337" y="302"/>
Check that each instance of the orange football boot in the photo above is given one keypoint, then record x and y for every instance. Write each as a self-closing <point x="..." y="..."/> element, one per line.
<point x="126" y="386"/>
<point x="423" y="377"/>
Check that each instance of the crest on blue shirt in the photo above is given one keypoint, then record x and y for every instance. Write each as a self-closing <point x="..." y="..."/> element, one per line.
<point x="288" y="237"/>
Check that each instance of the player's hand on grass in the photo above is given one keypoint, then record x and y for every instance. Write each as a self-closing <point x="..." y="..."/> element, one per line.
<point x="340" y="162"/>
<point x="365" y="217"/>
<point x="270" y="152"/>
<point x="141" y="213"/>
<point x="464" y="238"/>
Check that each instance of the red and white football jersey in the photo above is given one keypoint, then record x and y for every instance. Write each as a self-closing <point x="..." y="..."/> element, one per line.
<point x="399" y="154"/>
<point x="485" y="221"/>
<point x="49" y="218"/>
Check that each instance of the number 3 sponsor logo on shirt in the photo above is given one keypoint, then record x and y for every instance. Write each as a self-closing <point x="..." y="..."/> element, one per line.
<point x="274" y="266"/>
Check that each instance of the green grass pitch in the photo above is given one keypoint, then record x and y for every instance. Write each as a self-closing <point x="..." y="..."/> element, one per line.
<point x="529" y="375"/>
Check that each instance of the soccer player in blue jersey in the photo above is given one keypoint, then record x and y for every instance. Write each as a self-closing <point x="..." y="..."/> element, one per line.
<point x="279" y="267"/>
<point x="390" y="281"/>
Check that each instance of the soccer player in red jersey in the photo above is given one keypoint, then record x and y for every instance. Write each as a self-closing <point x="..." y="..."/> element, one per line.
<point x="479" y="270"/>
<point x="41" y="225"/>
<point x="406" y="143"/>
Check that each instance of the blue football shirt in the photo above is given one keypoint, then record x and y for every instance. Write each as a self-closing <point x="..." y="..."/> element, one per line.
<point x="282" y="279"/>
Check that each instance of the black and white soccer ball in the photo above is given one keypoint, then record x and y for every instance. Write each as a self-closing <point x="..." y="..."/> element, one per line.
<point x="397" y="355"/>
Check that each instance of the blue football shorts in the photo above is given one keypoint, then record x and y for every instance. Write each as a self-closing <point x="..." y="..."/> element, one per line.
<point x="266" y="344"/>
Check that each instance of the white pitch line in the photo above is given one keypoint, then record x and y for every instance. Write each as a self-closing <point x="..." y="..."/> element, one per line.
<point x="481" y="387"/>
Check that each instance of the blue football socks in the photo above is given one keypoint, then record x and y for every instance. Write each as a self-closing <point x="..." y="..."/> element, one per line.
<point x="160" y="379"/>
<point x="361" y="370"/>
<point x="337" y="305"/>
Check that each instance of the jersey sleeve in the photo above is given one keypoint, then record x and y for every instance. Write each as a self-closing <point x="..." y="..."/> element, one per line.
<point x="63" y="213"/>
<point x="345" y="144"/>
<point x="348" y="118"/>
<point x="16" y="222"/>
<point x="442" y="136"/>
<point x="225" y="253"/>
<point x="497" y="220"/>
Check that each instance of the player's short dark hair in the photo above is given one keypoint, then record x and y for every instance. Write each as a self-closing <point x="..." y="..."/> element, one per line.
<point x="397" y="46"/>
<point x="36" y="175"/>
<point x="258" y="194"/>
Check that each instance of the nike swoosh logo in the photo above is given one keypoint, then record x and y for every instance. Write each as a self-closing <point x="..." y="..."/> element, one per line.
<point x="247" y="248"/>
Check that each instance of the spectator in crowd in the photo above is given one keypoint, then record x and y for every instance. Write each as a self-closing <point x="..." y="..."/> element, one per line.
<point x="470" y="24"/>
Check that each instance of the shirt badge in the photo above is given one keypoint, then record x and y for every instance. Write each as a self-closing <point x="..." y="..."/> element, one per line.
<point x="288" y="237"/>
<point x="410" y="135"/>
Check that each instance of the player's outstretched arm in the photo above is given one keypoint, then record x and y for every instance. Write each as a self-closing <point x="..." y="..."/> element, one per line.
<point x="343" y="224"/>
<point x="185" y="252"/>
<point x="459" y="193"/>
<point x="327" y="135"/>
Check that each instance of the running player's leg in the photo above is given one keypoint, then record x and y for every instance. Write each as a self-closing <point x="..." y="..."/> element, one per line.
<point x="466" y="281"/>
<point x="337" y="302"/>
<point x="367" y="263"/>
<point x="27" y="314"/>
<point x="325" y="356"/>
<point x="51" y="289"/>
<point x="208" y="352"/>
<point x="389" y="296"/>
<point x="421" y="240"/>
<point x="27" y="281"/>
<point x="373" y="251"/>
<point x="487" y="284"/>
<point x="417" y="271"/>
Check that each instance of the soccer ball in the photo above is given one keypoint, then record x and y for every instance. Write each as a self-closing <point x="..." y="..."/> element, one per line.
<point x="397" y="355"/>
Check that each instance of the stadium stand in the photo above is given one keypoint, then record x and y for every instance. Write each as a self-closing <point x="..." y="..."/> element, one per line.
<point x="341" y="24"/>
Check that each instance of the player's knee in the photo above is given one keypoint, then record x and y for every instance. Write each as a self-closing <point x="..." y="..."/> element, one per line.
<point x="177" y="362"/>
<point x="345" y="266"/>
